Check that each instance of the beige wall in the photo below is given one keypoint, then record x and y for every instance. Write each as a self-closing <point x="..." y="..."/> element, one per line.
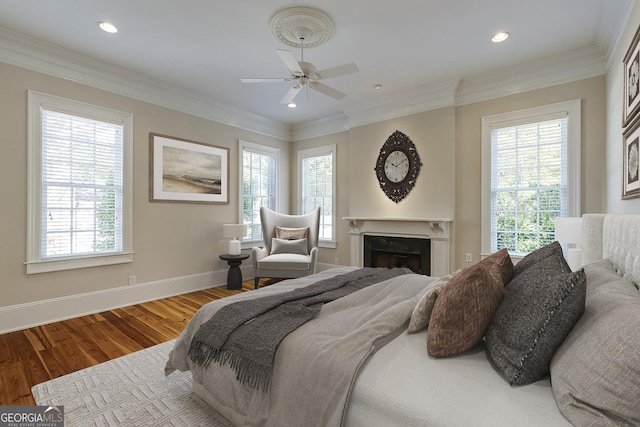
<point x="177" y="240"/>
<point x="170" y="239"/>
<point x="468" y="144"/>
<point x="614" y="139"/>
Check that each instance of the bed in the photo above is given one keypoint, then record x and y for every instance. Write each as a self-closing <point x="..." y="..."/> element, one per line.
<point x="340" y="370"/>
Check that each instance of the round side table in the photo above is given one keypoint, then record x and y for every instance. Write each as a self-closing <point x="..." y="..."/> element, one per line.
<point x="234" y="276"/>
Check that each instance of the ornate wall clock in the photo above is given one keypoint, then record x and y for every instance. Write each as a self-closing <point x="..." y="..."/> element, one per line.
<point x="397" y="166"/>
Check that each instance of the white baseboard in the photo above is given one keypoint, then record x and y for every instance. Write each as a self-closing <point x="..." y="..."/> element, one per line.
<point x="23" y="316"/>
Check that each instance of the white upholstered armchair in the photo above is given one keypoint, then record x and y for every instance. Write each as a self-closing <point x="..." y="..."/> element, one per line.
<point x="290" y="245"/>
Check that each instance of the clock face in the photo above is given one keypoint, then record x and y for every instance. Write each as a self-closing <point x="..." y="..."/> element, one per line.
<point x="396" y="166"/>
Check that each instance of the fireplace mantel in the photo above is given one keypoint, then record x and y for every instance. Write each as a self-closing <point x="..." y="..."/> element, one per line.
<point x="438" y="230"/>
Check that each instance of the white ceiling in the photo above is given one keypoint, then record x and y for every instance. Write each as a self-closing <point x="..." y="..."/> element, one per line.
<point x="414" y="48"/>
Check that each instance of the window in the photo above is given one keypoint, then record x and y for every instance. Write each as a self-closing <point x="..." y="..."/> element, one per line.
<point x="79" y="185"/>
<point x="258" y="165"/>
<point x="531" y="176"/>
<point x="316" y="187"/>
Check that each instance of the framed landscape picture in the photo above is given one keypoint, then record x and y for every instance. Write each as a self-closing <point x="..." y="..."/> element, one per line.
<point x="630" y="156"/>
<point x="187" y="171"/>
<point x="631" y="97"/>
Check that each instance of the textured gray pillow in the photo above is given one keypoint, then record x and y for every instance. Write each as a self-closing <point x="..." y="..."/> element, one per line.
<point x="283" y="246"/>
<point x="540" y="306"/>
<point x="596" y="372"/>
<point x="538" y="255"/>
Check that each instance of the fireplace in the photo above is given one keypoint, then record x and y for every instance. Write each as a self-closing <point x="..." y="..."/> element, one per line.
<point x="435" y="231"/>
<point x="391" y="251"/>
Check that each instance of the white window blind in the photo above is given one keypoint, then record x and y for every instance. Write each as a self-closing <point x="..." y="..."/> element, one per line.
<point x="82" y="180"/>
<point x="259" y="171"/>
<point x="80" y="187"/>
<point x="528" y="183"/>
<point x="317" y="187"/>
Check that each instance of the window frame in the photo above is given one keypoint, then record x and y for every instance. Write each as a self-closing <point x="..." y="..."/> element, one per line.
<point x="263" y="150"/>
<point x="572" y="111"/>
<point x="318" y="152"/>
<point x="36" y="102"/>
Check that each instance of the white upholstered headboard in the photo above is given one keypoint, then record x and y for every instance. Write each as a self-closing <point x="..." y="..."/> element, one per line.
<point x="613" y="237"/>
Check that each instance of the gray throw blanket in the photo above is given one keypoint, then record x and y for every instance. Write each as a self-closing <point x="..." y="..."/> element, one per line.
<point x="246" y="334"/>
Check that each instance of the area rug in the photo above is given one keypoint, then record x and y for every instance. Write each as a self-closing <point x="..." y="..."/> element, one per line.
<point x="129" y="391"/>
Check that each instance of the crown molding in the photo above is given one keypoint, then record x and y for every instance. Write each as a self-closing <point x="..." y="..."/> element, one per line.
<point x="546" y="72"/>
<point x="37" y="55"/>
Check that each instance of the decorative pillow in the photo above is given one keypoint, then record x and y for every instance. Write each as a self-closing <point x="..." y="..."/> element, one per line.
<point x="541" y="305"/>
<point x="538" y="255"/>
<point x="422" y="313"/>
<point x="282" y="246"/>
<point x="463" y="309"/>
<point x="291" y="233"/>
<point x="596" y="371"/>
<point x="503" y="260"/>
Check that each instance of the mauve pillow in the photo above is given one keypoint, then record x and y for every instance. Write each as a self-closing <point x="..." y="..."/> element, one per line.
<point x="287" y="233"/>
<point x="541" y="304"/>
<point x="463" y="309"/>
<point x="422" y="312"/>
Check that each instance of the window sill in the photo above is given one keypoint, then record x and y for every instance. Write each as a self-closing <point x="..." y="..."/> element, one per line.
<point x="35" y="267"/>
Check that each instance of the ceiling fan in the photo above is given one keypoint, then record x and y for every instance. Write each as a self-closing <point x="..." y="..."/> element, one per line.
<point x="305" y="74"/>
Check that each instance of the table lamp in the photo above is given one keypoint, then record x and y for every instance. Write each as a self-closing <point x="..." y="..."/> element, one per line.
<point x="234" y="232"/>
<point x="569" y="230"/>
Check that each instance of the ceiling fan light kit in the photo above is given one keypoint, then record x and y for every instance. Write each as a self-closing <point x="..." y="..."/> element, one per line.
<point x="304" y="27"/>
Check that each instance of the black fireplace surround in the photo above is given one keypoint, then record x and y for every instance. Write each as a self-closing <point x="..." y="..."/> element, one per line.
<point x="391" y="251"/>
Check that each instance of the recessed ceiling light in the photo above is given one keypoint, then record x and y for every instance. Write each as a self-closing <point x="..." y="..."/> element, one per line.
<point x="500" y="37"/>
<point x="108" y="27"/>
<point x="291" y="105"/>
<point x="377" y="86"/>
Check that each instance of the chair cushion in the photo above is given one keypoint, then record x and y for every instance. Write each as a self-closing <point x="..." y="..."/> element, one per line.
<point x="285" y="262"/>
<point x="288" y="233"/>
<point x="283" y="246"/>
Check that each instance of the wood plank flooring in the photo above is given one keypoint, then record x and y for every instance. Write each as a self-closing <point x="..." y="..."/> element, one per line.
<point x="41" y="353"/>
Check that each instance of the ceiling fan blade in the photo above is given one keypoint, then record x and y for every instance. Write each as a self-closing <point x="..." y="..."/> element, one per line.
<point x="329" y="91"/>
<point x="291" y="94"/>
<point x="291" y="62"/>
<point x="285" y="79"/>
<point x="340" y="70"/>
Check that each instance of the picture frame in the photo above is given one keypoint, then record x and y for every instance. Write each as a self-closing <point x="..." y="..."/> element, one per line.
<point x="187" y="171"/>
<point x="631" y="161"/>
<point x="631" y="83"/>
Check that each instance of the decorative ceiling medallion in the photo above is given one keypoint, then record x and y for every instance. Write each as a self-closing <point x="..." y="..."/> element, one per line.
<point x="294" y="24"/>
<point x="398" y="166"/>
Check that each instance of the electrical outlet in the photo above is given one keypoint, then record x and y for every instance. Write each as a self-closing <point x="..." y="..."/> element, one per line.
<point x="468" y="257"/>
<point x="336" y="262"/>
<point x="132" y="280"/>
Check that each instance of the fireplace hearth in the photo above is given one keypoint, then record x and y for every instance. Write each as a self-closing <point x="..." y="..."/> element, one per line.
<point x="391" y="251"/>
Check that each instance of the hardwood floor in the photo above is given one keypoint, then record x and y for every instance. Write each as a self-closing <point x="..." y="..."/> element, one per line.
<point x="41" y="353"/>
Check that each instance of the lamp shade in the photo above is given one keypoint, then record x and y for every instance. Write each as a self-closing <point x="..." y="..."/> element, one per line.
<point x="569" y="230"/>
<point x="233" y="231"/>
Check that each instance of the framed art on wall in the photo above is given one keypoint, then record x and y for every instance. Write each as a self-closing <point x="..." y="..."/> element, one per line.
<point x="187" y="171"/>
<point x="630" y="156"/>
<point x="631" y="96"/>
